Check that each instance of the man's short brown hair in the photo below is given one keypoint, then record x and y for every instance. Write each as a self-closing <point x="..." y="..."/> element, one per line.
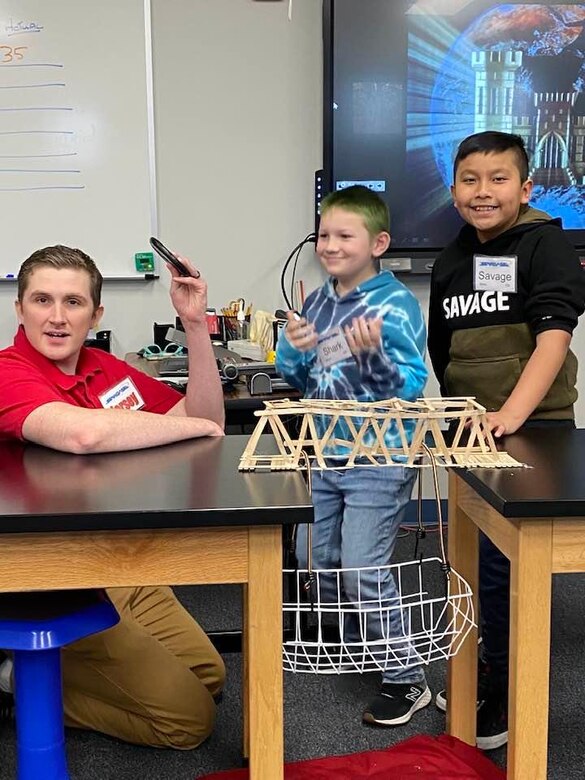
<point x="61" y="257"/>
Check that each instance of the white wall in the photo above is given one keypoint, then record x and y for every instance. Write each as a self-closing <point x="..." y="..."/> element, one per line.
<point x="238" y="127"/>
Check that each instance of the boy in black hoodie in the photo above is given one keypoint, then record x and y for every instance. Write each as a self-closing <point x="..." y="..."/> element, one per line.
<point x="505" y="298"/>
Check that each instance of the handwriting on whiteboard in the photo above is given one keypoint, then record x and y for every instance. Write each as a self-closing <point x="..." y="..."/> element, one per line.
<point x="20" y="27"/>
<point x="37" y="127"/>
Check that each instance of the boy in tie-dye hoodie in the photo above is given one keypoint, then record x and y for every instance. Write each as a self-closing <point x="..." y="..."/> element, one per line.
<point x="360" y="337"/>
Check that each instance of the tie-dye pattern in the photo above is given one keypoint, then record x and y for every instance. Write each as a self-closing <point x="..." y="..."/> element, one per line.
<point x="396" y="370"/>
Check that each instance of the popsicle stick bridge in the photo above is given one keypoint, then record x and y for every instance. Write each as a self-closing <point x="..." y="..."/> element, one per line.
<point x="366" y="425"/>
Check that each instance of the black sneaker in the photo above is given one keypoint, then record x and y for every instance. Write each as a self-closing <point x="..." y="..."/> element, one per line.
<point x="396" y="703"/>
<point x="492" y="720"/>
<point x="484" y="683"/>
<point x="6" y="707"/>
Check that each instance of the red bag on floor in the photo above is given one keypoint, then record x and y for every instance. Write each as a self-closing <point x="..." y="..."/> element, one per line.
<point x="418" y="758"/>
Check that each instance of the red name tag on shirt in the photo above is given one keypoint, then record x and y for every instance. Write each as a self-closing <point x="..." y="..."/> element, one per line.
<point x="123" y="395"/>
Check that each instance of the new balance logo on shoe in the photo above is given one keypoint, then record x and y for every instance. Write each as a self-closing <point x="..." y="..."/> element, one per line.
<point x="413" y="695"/>
<point x="396" y="703"/>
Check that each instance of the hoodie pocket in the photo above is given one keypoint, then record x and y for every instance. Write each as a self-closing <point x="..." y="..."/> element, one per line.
<point x="490" y="382"/>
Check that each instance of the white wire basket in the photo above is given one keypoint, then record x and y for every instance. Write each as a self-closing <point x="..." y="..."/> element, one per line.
<point x="430" y="627"/>
<point x="427" y="619"/>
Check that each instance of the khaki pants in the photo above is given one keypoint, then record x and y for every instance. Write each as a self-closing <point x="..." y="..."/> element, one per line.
<point x="149" y="680"/>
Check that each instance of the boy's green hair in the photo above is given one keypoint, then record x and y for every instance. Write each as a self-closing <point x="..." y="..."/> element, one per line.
<point x="362" y="201"/>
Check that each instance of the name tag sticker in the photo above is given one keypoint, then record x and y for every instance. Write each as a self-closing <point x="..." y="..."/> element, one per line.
<point x="495" y="273"/>
<point x="332" y="347"/>
<point x="123" y="395"/>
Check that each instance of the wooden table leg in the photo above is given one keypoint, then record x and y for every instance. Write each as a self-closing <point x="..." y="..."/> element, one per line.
<point x="530" y="621"/>
<point x="462" y="669"/>
<point x="245" y="675"/>
<point x="264" y="644"/>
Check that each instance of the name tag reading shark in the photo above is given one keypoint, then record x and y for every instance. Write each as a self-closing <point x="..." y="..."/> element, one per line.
<point x="123" y="395"/>
<point x="495" y="273"/>
<point x="332" y="347"/>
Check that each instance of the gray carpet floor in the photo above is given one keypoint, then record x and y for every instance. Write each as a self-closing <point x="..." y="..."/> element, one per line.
<point x="323" y="714"/>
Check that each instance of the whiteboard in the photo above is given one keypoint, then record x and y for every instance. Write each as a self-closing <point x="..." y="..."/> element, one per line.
<point x="76" y="130"/>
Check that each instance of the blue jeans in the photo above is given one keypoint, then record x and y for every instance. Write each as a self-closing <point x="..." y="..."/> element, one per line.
<point x="358" y="512"/>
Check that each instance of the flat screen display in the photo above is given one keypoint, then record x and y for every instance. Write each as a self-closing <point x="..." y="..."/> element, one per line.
<point x="407" y="80"/>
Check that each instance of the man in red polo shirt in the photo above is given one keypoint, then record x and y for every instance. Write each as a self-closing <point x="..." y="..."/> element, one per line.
<point x="152" y="678"/>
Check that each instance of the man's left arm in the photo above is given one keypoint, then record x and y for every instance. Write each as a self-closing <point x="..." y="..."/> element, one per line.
<point x="204" y="396"/>
<point x="534" y="383"/>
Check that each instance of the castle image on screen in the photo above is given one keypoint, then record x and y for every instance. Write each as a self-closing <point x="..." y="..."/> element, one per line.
<point x="515" y="68"/>
<point x="410" y="79"/>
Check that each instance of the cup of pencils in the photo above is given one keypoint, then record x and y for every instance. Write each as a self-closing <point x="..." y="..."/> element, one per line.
<point x="235" y="320"/>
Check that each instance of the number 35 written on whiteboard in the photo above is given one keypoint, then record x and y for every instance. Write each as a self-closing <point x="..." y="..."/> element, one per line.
<point x="10" y="53"/>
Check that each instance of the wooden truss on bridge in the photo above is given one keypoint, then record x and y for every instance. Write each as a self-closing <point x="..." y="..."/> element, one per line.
<point x="472" y="446"/>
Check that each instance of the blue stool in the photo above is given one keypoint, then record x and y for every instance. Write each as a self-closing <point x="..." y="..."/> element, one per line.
<point x="35" y="626"/>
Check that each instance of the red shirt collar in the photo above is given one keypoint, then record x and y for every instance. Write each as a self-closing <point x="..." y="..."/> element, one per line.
<point x="87" y="364"/>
